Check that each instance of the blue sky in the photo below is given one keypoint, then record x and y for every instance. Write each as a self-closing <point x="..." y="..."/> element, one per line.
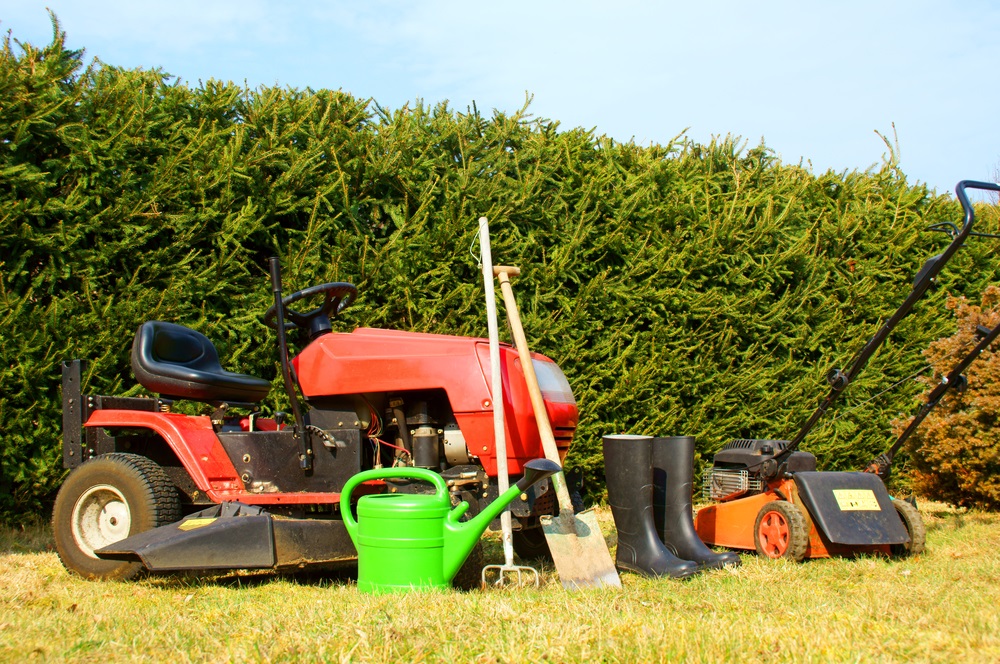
<point x="815" y="80"/>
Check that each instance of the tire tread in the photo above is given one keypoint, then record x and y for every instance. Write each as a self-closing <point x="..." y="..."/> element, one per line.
<point x="915" y="528"/>
<point x="798" y="531"/>
<point x="160" y="498"/>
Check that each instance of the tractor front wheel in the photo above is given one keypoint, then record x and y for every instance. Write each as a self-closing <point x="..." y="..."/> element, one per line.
<point x="105" y="500"/>
<point x="780" y="531"/>
<point x="914" y="528"/>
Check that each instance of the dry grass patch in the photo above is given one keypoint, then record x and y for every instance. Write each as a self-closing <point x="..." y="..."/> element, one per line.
<point x="938" y="606"/>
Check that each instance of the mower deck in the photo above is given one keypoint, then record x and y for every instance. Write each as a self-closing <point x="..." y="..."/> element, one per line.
<point x="823" y="514"/>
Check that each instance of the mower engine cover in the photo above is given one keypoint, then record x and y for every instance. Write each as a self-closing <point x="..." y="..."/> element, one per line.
<point x="852" y="509"/>
<point x="741" y="466"/>
<point x="751" y="453"/>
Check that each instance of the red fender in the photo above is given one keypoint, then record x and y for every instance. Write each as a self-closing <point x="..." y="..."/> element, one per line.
<point x="193" y="441"/>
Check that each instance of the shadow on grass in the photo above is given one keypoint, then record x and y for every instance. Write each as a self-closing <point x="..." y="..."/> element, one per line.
<point x="939" y="516"/>
<point x="340" y="575"/>
<point x="30" y="536"/>
<point x="344" y="575"/>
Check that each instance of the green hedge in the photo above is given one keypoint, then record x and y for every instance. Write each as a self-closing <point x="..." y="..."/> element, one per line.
<point x="684" y="288"/>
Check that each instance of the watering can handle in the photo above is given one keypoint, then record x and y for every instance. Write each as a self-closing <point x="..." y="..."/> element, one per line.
<point x="380" y="474"/>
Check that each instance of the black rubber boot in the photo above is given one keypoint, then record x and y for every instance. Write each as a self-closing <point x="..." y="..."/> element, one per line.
<point x="630" y="494"/>
<point x="673" y="470"/>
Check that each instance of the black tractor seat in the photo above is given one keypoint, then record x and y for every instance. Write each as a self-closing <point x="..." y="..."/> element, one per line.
<point x="177" y="362"/>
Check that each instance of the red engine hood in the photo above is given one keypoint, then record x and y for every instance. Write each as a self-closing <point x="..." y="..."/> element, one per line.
<point x="373" y="360"/>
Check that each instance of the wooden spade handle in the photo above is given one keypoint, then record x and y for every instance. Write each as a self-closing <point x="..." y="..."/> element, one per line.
<point x="506" y="269"/>
<point x="537" y="401"/>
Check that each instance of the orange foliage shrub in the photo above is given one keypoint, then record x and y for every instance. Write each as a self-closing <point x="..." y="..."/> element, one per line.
<point x="955" y="454"/>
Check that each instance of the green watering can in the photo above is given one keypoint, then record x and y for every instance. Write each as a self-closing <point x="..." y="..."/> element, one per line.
<point x="407" y="541"/>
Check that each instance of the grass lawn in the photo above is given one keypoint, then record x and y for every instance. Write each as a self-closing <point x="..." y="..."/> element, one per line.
<point x="940" y="606"/>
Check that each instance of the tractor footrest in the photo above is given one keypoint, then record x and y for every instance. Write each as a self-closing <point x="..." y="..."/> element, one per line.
<point x="852" y="509"/>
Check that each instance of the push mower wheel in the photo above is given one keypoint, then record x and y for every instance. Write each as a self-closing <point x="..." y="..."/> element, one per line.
<point x="780" y="531"/>
<point x="105" y="500"/>
<point x="914" y="528"/>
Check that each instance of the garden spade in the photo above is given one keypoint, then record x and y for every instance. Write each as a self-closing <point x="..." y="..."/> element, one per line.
<point x="575" y="541"/>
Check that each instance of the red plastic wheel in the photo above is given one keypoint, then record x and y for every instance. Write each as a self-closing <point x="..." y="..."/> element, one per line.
<point x="773" y="534"/>
<point x="780" y="531"/>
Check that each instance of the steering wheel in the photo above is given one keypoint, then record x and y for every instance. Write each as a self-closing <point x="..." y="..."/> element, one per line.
<point x="336" y="297"/>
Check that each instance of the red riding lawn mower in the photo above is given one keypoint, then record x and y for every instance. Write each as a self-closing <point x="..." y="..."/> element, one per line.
<point x="769" y="496"/>
<point x="263" y="492"/>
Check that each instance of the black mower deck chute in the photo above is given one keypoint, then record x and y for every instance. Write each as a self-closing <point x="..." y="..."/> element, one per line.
<point x="850" y="509"/>
<point x="235" y="536"/>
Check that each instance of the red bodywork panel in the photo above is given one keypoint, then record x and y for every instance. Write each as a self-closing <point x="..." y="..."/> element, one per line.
<point x="193" y="440"/>
<point x="391" y="361"/>
<point x="375" y="361"/>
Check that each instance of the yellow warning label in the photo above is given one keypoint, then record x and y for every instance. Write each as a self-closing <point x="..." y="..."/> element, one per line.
<point x="191" y="524"/>
<point x="856" y="500"/>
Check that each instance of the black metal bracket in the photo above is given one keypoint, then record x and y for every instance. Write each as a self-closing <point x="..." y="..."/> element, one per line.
<point x="301" y="432"/>
<point x="75" y="412"/>
<point x="951" y="230"/>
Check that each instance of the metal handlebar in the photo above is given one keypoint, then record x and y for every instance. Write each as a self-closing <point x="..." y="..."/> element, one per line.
<point x="963" y="198"/>
<point x="931" y="268"/>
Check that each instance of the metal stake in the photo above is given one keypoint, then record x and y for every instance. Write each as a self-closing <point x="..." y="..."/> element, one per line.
<point x="508" y="569"/>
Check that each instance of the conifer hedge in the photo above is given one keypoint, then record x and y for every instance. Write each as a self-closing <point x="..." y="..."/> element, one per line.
<point x="686" y="288"/>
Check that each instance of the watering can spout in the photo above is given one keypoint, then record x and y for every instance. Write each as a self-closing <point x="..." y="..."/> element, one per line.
<point x="460" y="537"/>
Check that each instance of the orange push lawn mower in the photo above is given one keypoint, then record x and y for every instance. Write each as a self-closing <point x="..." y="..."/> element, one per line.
<point x="768" y="494"/>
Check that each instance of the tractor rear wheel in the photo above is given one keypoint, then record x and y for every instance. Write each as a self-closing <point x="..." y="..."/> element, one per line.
<point x="915" y="528"/>
<point x="469" y="576"/>
<point x="780" y="531"/>
<point x="530" y="544"/>
<point x="105" y="500"/>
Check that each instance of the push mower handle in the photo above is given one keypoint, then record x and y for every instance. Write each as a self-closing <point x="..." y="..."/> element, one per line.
<point x="839" y="380"/>
<point x="274" y="267"/>
<point x="953" y="381"/>
<point x="963" y="198"/>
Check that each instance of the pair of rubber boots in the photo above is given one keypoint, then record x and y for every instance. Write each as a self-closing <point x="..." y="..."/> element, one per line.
<point x="649" y="489"/>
